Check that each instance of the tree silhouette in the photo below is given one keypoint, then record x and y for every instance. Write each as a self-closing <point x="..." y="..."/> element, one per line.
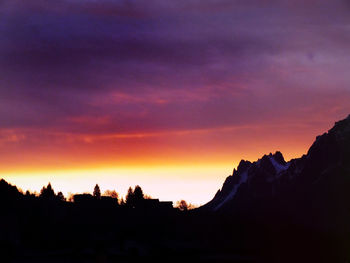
<point x="97" y="192"/>
<point x="145" y="196"/>
<point x="184" y="206"/>
<point x="111" y="193"/>
<point x="129" y="199"/>
<point x="134" y="197"/>
<point x="122" y="202"/>
<point x="47" y="192"/>
<point x="60" y="196"/>
<point x="138" y="195"/>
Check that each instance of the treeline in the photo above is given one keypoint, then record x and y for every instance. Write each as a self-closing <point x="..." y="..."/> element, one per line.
<point x="135" y="197"/>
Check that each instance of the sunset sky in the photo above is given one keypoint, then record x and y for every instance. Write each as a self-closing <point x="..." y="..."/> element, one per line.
<point x="168" y="94"/>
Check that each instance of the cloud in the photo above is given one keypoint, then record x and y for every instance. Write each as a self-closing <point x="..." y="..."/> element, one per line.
<point x="168" y="65"/>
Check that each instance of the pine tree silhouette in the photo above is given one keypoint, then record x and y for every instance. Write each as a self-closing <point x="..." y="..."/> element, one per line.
<point x="97" y="192"/>
<point x="129" y="199"/>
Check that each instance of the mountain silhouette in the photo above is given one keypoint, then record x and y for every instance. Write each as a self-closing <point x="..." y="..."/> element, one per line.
<point x="313" y="189"/>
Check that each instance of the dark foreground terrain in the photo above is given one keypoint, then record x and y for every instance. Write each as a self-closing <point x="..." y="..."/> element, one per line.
<point x="49" y="231"/>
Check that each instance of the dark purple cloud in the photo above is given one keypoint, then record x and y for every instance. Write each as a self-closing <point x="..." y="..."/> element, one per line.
<point x="171" y="65"/>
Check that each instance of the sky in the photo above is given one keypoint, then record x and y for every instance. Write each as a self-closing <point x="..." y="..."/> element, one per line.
<point x="167" y="94"/>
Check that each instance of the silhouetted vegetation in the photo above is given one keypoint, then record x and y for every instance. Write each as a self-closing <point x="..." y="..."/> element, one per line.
<point x="134" y="197"/>
<point x="60" y="196"/>
<point x="97" y="192"/>
<point x="111" y="193"/>
<point x="47" y="193"/>
<point x="184" y="206"/>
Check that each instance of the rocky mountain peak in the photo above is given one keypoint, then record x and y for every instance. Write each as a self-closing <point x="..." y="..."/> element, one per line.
<point x="243" y="166"/>
<point x="271" y="175"/>
<point x="341" y="129"/>
<point x="279" y="158"/>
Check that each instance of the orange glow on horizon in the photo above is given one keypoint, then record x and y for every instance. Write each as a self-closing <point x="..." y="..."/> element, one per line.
<point x="190" y="165"/>
<point x="195" y="184"/>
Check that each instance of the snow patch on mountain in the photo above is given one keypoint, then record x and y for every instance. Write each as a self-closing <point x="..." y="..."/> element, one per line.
<point x="243" y="179"/>
<point x="278" y="166"/>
